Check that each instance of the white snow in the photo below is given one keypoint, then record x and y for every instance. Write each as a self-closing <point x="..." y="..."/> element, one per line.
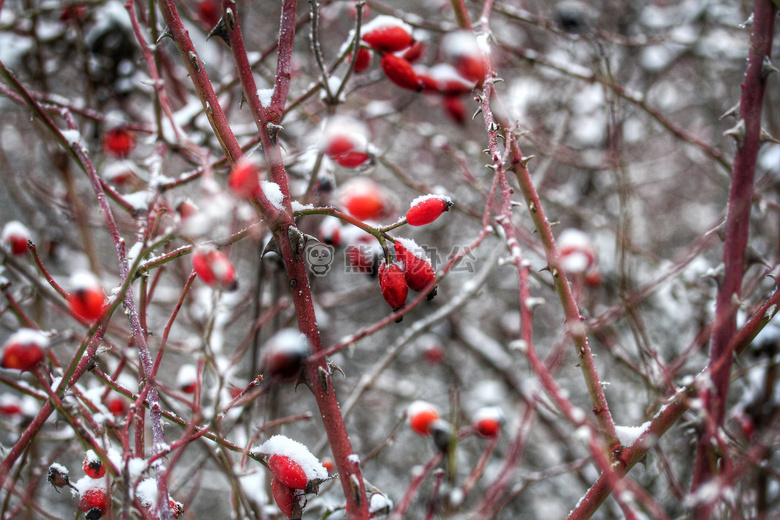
<point x="297" y="206"/>
<point x="459" y="43"/>
<point x="627" y="435"/>
<point x="423" y="198"/>
<point x="146" y="492"/>
<point x="493" y="413"/>
<point x="139" y="200"/>
<point x="285" y="446"/>
<point x="14" y="228"/>
<point x="187" y="375"/>
<point x="265" y="95"/>
<point x="379" y="503"/>
<point x="419" y="406"/>
<point x="273" y="193"/>
<point x="73" y="137"/>
<point x="59" y="468"/>
<point x="26" y="336"/>
<point x="84" y="281"/>
<point x="385" y="21"/>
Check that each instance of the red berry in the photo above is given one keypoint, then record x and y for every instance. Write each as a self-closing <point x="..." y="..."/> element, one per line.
<point x="328" y="464"/>
<point x="387" y="34"/>
<point x="16" y="235"/>
<point x="462" y="49"/>
<point x="10" y="405"/>
<point x="24" y="349"/>
<point x="393" y="285"/>
<point x="429" y="83"/>
<point x="400" y="72"/>
<point x="177" y="508"/>
<point x="87" y="300"/>
<point x="209" y="12"/>
<point x="118" y="142"/>
<point x="284" y="497"/>
<point x="455" y="108"/>
<point x="424" y="210"/>
<point x="363" y="61"/>
<point x="414" y="52"/>
<point x="345" y="141"/>
<point x="287" y="471"/>
<point x="187" y="378"/>
<point x="58" y="475"/>
<point x="214" y="268"/>
<point x="418" y="271"/>
<point x="117" y="405"/>
<point x="421" y="415"/>
<point x="330" y="231"/>
<point x="364" y="199"/>
<point x="93" y="502"/>
<point x="244" y="179"/>
<point x="489" y="421"/>
<point x="93" y="466"/>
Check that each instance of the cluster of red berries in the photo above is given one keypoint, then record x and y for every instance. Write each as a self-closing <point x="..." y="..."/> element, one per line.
<point x="93" y="496"/>
<point x="423" y="419"/>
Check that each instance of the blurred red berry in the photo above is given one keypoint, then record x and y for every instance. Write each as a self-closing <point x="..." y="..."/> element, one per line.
<point x="24" y="349"/>
<point x="400" y="72"/>
<point x="118" y="142"/>
<point x="421" y="415"/>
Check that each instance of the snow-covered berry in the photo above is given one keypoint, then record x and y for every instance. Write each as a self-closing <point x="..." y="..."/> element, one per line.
<point x="387" y="34"/>
<point x="427" y="208"/>
<point x="292" y="463"/>
<point x="420" y="415"/>
<point x="86" y="299"/>
<point x="364" y="199"/>
<point x="93" y="466"/>
<point x="488" y="421"/>
<point x="576" y="252"/>
<point x="345" y="140"/>
<point x="187" y="378"/>
<point x="284" y="354"/>
<point x="24" y="349"/>
<point x="58" y="475"/>
<point x="418" y="270"/>
<point x="16" y="235"/>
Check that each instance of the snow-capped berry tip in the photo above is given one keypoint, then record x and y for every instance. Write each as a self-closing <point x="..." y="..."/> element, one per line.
<point x="427" y="208"/>
<point x="187" y="378"/>
<point x="58" y="475"/>
<point x="418" y="270"/>
<point x="24" y="350"/>
<point x="364" y="199"/>
<point x="576" y="252"/>
<point x="345" y="140"/>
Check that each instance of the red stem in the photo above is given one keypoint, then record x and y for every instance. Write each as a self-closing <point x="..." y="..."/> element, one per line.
<point x="735" y="243"/>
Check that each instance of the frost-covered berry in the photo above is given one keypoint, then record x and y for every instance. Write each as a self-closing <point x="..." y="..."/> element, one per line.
<point x="392" y="282"/>
<point x="16" y="235"/>
<point x="400" y="72"/>
<point x="488" y="421"/>
<point x="576" y="252"/>
<point x="387" y="34"/>
<point x="24" y="349"/>
<point x="420" y="415"/>
<point x="427" y="208"/>
<point x="292" y="463"/>
<point x="87" y="299"/>
<point x="118" y="141"/>
<point x="93" y="466"/>
<point x="284" y="354"/>
<point x="187" y="378"/>
<point x="214" y="268"/>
